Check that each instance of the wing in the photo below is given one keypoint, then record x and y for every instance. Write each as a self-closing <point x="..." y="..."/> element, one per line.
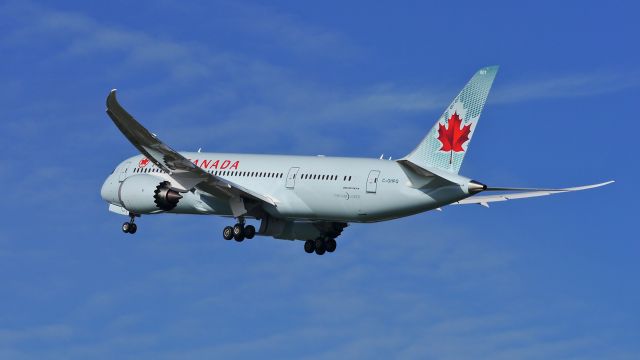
<point x="526" y="193"/>
<point x="184" y="173"/>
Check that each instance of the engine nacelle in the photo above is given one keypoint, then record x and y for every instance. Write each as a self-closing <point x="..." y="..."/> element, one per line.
<point x="298" y="230"/>
<point x="143" y="194"/>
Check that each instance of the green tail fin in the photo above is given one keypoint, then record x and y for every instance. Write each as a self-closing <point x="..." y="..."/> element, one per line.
<point x="446" y="144"/>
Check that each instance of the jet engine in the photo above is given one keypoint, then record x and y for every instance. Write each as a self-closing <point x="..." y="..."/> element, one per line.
<point x="143" y="194"/>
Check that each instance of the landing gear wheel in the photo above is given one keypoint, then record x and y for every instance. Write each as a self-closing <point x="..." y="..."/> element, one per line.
<point x="331" y="245"/>
<point x="238" y="232"/>
<point x="309" y="246"/>
<point x="227" y="233"/>
<point x="249" y="231"/>
<point x="320" y="246"/>
<point x="130" y="227"/>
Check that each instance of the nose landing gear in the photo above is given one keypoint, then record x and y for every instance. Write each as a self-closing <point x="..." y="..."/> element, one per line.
<point x="130" y="227"/>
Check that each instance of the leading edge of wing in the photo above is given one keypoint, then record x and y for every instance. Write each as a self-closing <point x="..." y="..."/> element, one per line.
<point x="185" y="173"/>
<point x="147" y="143"/>
<point x="485" y="199"/>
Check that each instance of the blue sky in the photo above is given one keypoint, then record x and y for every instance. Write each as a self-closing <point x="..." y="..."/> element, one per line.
<point x="547" y="278"/>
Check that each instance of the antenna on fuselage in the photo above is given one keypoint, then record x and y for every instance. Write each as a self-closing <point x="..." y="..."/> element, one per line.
<point x="199" y="150"/>
<point x="381" y="156"/>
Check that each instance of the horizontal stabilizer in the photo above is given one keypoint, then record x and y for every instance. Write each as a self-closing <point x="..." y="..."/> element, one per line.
<point x="522" y="193"/>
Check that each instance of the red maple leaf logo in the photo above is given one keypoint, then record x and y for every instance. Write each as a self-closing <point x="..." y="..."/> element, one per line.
<point x="452" y="137"/>
<point x="143" y="163"/>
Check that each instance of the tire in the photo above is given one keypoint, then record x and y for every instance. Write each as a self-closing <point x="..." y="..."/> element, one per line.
<point x="249" y="231"/>
<point x="309" y="246"/>
<point x="133" y="228"/>
<point x="331" y="245"/>
<point x="125" y="227"/>
<point x="227" y="233"/>
<point x="238" y="232"/>
<point x="320" y="246"/>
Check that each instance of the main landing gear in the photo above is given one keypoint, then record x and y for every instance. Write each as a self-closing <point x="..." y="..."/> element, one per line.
<point x="130" y="227"/>
<point x="320" y="245"/>
<point x="239" y="231"/>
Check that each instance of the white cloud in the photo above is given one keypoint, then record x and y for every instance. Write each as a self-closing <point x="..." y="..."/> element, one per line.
<point x="386" y="292"/>
<point x="288" y="31"/>
<point x="565" y="86"/>
<point x="207" y="94"/>
<point x="52" y="332"/>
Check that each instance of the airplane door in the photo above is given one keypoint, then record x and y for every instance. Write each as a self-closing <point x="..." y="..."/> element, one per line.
<point x="291" y="177"/>
<point x="372" y="181"/>
<point x="123" y="171"/>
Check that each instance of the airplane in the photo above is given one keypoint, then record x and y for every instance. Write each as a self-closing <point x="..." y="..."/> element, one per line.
<point x="308" y="198"/>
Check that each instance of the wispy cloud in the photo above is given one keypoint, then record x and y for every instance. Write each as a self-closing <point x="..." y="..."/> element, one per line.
<point x="421" y="292"/>
<point x="238" y="90"/>
<point x="288" y="31"/>
<point x="53" y="332"/>
<point x="565" y="86"/>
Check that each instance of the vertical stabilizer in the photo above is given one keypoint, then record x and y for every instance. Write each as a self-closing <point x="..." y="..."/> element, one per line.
<point x="446" y="144"/>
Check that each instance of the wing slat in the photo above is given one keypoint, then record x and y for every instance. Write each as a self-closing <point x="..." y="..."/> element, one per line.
<point x="185" y="174"/>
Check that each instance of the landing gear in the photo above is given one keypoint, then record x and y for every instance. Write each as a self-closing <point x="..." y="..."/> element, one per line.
<point x="320" y="246"/>
<point x="227" y="233"/>
<point x="249" y="231"/>
<point x="309" y="246"/>
<point x="239" y="232"/>
<point x="331" y="245"/>
<point x="130" y="227"/>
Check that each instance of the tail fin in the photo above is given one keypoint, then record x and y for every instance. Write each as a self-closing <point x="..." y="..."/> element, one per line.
<point x="446" y="144"/>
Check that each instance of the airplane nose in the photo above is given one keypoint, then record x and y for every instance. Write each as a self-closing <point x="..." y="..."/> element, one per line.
<point x="108" y="190"/>
<point x="103" y="190"/>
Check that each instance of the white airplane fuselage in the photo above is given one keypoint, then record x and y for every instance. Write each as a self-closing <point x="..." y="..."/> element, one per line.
<point x="302" y="187"/>
<point x="309" y="198"/>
